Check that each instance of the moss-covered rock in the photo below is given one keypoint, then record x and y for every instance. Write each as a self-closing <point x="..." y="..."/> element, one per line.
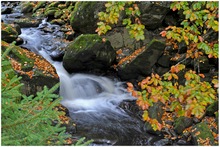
<point x="88" y="52"/>
<point x="84" y="18"/>
<point x="155" y="112"/>
<point x="202" y="134"/>
<point x="181" y="123"/>
<point x="211" y="109"/>
<point x="39" y="5"/>
<point x="51" y="11"/>
<point x="142" y="64"/>
<point x="27" y="22"/>
<point x="27" y="7"/>
<point x="36" y="72"/>
<point x="8" y="32"/>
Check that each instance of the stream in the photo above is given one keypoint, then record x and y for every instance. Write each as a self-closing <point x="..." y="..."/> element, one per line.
<point x="93" y="101"/>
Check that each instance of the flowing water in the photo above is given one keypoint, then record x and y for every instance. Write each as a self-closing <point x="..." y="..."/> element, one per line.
<point x="92" y="101"/>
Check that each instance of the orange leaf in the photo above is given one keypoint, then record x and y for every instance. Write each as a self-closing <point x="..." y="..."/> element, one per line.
<point x="170" y="77"/>
<point x="175" y="76"/>
<point x="163" y="33"/>
<point x="202" y="75"/>
<point x="130" y="85"/>
<point x="200" y="39"/>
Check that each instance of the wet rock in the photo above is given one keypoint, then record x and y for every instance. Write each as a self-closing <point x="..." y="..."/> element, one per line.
<point x="182" y="142"/>
<point x="153" y="13"/>
<point x="84" y="18"/>
<point x="163" y="142"/>
<point x="8" y="32"/>
<point x="88" y="52"/>
<point x="27" y="22"/>
<point x="6" y="10"/>
<point x="211" y="109"/>
<point x="201" y="133"/>
<point x="19" y="41"/>
<point x="182" y="123"/>
<point x="142" y="64"/>
<point x="27" y="7"/>
<point x="57" y="55"/>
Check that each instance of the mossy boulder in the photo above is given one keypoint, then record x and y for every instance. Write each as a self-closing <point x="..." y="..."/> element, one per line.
<point x="88" y="53"/>
<point x="27" y="22"/>
<point x="201" y="133"/>
<point x="35" y="71"/>
<point x="141" y="64"/>
<point x="84" y="18"/>
<point x="181" y="123"/>
<point x="8" y="32"/>
<point x="27" y="7"/>
<point x="51" y="11"/>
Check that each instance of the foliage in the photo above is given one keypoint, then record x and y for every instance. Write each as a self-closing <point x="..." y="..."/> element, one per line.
<point x="28" y="120"/>
<point x="200" y="18"/>
<point x="187" y="100"/>
<point x="82" y="142"/>
<point x="112" y="16"/>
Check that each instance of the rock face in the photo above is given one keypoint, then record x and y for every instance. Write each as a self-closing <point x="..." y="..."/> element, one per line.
<point x="152" y="13"/>
<point x="84" y="18"/>
<point x="142" y="64"/>
<point x="88" y="52"/>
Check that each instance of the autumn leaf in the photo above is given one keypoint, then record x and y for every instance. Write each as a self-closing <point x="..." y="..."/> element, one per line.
<point x="163" y="33"/>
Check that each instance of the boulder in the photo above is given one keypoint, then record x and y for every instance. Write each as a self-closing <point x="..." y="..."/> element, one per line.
<point x="88" y="52"/>
<point x="155" y="112"/>
<point x="181" y="123"/>
<point x="142" y="64"/>
<point x="27" y="22"/>
<point x="27" y="7"/>
<point x="35" y="71"/>
<point x="84" y="18"/>
<point x="153" y="13"/>
<point x="120" y="38"/>
<point x="201" y="133"/>
<point x="8" y="32"/>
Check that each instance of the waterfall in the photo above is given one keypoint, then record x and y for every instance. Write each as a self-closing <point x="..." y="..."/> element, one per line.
<point x="92" y="101"/>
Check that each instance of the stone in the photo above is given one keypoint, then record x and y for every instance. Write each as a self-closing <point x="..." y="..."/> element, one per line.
<point x="120" y="38"/>
<point x="201" y="132"/>
<point x="164" y="61"/>
<point x="27" y="22"/>
<point x="155" y="112"/>
<point x="88" y="52"/>
<point x="181" y="123"/>
<point x="84" y="18"/>
<point x="27" y="7"/>
<point x="211" y="109"/>
<point x="153" y="13"/>
<point x="34" y="77"/>
<point x="8" y="32"/>
<point x="6" y="10"/>
<point x="142" y="64"/>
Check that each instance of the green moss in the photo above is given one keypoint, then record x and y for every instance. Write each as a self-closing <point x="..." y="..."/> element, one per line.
<point x="40" y="4"/>
<point x="85" y="41"/>
<point x="204" y="133"/>
<point x="16" y="53"/>
<point x="51" y="11"/>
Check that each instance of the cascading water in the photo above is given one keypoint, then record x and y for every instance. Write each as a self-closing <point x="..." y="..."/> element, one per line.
<point x="93" y="101"/>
